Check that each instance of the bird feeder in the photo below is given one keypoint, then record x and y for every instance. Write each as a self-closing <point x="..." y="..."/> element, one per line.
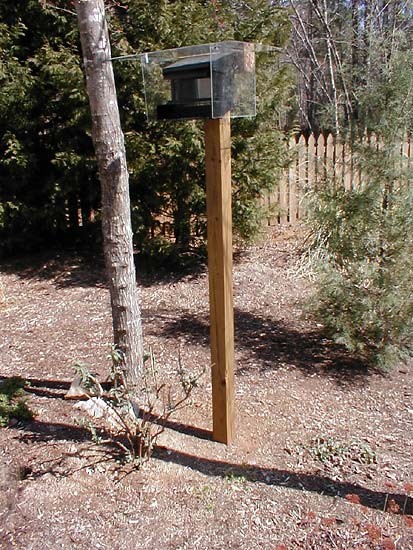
<point x="206" y="81"/>
<point x="215" y="82"/>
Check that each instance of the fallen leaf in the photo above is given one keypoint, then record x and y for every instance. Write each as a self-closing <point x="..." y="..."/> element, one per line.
<point x="328" y="522"/>
<point x="98" y="408"/>
<point x="351" y="497"/>
<point x="374" y="532"/>
<point x="388" y="544"/>
<point x="408" y="487"/>
<point x="408" y="520"/>
<point x="392" y="507"/>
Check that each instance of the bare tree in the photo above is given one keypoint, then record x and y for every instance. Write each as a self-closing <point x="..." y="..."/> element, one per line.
<point x="111" y="158"/>
<point x="340" y="49"/>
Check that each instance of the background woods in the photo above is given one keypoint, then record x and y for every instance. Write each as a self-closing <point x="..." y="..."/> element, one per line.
<point x="344" y="52"/>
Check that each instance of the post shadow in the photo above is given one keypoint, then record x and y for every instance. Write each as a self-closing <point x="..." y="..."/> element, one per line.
<point x="44" y="431"/>
<point x="321" y="485"/>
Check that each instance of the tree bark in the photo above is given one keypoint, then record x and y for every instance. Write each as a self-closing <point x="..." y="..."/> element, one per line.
<point x="114" y="179"/>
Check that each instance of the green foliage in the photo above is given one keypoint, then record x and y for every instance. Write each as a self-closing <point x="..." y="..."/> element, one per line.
<point x="47" y="167"/>
<point x="363" y="237"/>
<point x="336" y="453"/>
<point x="46" y="163"/>
<point x="166" y="160"/>
<point x="365" y="275"/>
<point x="12" y="404"/>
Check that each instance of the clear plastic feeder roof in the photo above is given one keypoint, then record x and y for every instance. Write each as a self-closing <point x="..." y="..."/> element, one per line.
<point x="204" y="81"/>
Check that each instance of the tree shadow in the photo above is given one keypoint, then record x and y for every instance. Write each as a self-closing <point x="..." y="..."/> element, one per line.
<point x="47" y="388"/>
<point x="199" y="433"/>
<point x="42" y="388"/>
<point x="73" y="269"/>
<point x="43" y="432"/>
<point x="269" y="345"/>
<point x="87" y="449"/>
<point x="50" y="389"/>
<point x="65" y="269"/>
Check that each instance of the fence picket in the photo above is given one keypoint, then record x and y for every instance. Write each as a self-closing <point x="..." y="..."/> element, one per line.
<point x="283" y="200"/>
<point x="320" y="160"/>
<point x="339" y="162"/>
<point x="302" y="176"/>
<point x="330" y="167"/>
<point x="349" y="172"/>
<point x="292" y="186"/>
<point x="314" y="160"/>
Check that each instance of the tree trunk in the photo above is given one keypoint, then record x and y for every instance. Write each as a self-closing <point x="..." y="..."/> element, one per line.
<point x="111" y="158"/>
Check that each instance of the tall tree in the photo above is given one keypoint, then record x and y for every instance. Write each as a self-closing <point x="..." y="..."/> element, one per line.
<point x="46" y="163"/>
<point x="166" y="160"/>
<point x="113" y="173"/>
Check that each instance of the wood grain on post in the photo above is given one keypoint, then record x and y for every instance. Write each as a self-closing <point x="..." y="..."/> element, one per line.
<point x="219" y="222"/>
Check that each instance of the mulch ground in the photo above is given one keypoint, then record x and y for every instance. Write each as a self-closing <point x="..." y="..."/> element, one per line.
<point x="323" y="449"/>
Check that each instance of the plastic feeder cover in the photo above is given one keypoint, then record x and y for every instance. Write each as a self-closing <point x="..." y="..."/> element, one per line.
<point x="204" y="81"/>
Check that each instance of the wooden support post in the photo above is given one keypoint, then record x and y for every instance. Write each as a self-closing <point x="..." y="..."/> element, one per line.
<point x="219" y="221"/>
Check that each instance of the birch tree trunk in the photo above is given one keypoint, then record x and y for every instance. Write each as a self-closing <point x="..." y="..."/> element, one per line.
<point x="113" y="174"/>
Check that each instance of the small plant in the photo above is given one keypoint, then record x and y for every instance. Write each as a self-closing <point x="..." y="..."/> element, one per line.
<point x="238" y="479"/>
<point x="134" y="428"/>
<point x="12" y="403"/>
<point x="335" y="453"/>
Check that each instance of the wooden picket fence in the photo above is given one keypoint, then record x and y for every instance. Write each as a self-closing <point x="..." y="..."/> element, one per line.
<point x="314" y="160"/>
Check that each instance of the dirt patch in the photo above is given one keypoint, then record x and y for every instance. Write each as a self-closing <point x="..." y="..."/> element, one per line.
<point x="322" y="457"/>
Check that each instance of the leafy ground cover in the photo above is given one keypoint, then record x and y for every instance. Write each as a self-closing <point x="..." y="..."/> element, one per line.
<point x="323" y="452"/>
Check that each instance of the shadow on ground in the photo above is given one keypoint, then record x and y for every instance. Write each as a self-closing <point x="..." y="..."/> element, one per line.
<point x="64" y="269"/>
<point x="354" y="493"/>
<point x="270" y="344"/>
<point x="74" y="269"/>
<point x="290" y="480"/>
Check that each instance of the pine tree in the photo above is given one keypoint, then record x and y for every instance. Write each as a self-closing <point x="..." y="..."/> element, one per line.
<point x="168" y="175"/>
<point x="364" y="236"/>
<point x="46" y="166"/>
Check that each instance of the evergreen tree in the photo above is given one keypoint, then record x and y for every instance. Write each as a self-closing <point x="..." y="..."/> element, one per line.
<point x="364" y="236"/>
<point x="47" y="172"/>
<point x="167" y="159"/>
<point x="356" y="78"/>
<point x="45" y="151"/>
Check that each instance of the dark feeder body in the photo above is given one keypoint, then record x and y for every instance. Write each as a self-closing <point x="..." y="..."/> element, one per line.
<point x="192" y="89"/>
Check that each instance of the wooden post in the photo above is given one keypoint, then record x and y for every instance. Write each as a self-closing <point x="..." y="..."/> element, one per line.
<point x="219" y="222"/>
